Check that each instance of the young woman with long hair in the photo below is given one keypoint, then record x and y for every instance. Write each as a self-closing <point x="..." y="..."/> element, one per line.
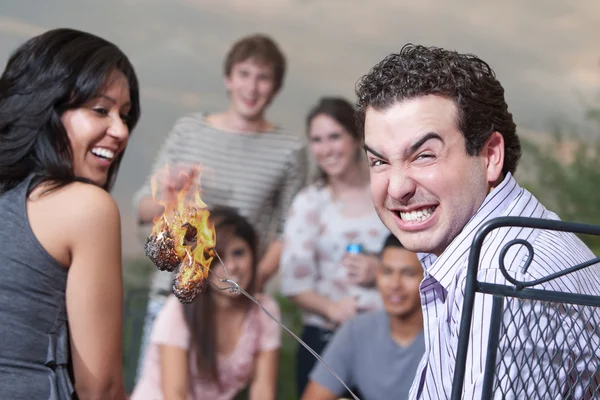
<point x="68" y="103"/>
<point x="327" y="282"/>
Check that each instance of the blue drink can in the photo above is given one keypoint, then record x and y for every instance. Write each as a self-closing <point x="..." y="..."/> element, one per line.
<point x="354" y="248"/>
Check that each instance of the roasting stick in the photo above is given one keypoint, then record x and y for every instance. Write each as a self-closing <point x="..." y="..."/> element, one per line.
<point x="235" y="288"/>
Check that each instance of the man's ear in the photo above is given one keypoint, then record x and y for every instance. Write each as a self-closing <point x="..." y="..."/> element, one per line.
<point x="493" y="152"/>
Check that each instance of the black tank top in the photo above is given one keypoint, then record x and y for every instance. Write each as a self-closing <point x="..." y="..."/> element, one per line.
<point x="34" y="337"/>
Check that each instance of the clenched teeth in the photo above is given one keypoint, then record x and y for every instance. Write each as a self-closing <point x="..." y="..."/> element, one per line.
<point x="419" y="215"/>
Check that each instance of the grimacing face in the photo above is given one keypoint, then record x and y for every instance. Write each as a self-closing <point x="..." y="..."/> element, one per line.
<point x="424" y="185"/>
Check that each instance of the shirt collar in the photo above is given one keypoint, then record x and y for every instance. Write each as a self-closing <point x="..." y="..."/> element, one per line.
<point x="443" y="268"/>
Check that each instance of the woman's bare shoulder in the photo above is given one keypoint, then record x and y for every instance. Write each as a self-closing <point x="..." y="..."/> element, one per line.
<point x="63" y="218"/>
<point x="79" y="203"/>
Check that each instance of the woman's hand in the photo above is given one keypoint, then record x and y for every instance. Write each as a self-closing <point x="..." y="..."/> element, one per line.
<point x="342" y="310"/>
<point x="361" y="268"/>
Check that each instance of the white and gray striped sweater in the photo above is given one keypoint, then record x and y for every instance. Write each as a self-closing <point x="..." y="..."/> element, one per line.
<point x="257" y="173"/>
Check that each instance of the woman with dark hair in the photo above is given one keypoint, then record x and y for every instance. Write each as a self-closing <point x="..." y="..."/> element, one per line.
<point x="68" y="102"/>
<point x="216" y="346"/>
<point x="327" y="218"/>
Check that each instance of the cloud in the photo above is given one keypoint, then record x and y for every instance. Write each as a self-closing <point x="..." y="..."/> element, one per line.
<point x="552" y="39"/>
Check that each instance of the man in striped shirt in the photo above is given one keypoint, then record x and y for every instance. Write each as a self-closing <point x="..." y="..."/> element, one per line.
<point x="442" y="149"/>
<point x="247" y="162"/>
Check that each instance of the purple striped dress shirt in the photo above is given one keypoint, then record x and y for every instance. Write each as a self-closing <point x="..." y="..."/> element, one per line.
<point x="442" y="291"/>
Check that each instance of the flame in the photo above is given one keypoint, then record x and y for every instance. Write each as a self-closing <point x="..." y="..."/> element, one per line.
<point x="186" y="218"/>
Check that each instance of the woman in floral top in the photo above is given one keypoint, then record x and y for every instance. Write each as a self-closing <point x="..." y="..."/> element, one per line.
<point x="329" y="284"/>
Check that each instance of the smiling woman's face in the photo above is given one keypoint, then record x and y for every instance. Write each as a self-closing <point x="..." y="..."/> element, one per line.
<point x="238" y="260"/>
<point x="334" y="148"/>
<point x="98" y="130"/>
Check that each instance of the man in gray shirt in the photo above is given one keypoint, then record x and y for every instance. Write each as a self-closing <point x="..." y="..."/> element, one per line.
<point x="250" y="163"/>
<point x="378" y="352"/>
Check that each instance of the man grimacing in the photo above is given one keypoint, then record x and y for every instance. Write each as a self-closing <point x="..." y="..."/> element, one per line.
<point x="442" y="149"/>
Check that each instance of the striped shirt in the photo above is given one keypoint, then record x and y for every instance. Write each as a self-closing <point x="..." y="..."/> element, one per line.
<point x="259" y="174"/>
<point x="443" y="288"/>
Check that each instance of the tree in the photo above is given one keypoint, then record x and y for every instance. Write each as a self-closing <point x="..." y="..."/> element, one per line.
<point x="567" y="175"/>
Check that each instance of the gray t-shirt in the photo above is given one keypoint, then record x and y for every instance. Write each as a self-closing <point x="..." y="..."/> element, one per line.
<point x="363" y="353"/>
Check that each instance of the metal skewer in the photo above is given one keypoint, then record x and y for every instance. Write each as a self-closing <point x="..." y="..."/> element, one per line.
<point x="233" y="287"/>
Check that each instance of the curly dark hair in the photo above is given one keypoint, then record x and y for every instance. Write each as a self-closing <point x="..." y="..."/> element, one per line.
<point x="419" y="71"/>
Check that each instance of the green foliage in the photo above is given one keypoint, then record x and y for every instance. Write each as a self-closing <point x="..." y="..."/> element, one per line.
<point x="137" y="272"/>
<point x="291" y="318"/>
<point x="567" y="176"/>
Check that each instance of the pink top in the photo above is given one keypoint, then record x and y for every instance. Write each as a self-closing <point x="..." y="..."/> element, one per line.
<point x="259" y="333"/>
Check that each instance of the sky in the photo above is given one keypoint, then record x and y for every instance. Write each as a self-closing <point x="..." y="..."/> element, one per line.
<point x="546" y="54"/>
